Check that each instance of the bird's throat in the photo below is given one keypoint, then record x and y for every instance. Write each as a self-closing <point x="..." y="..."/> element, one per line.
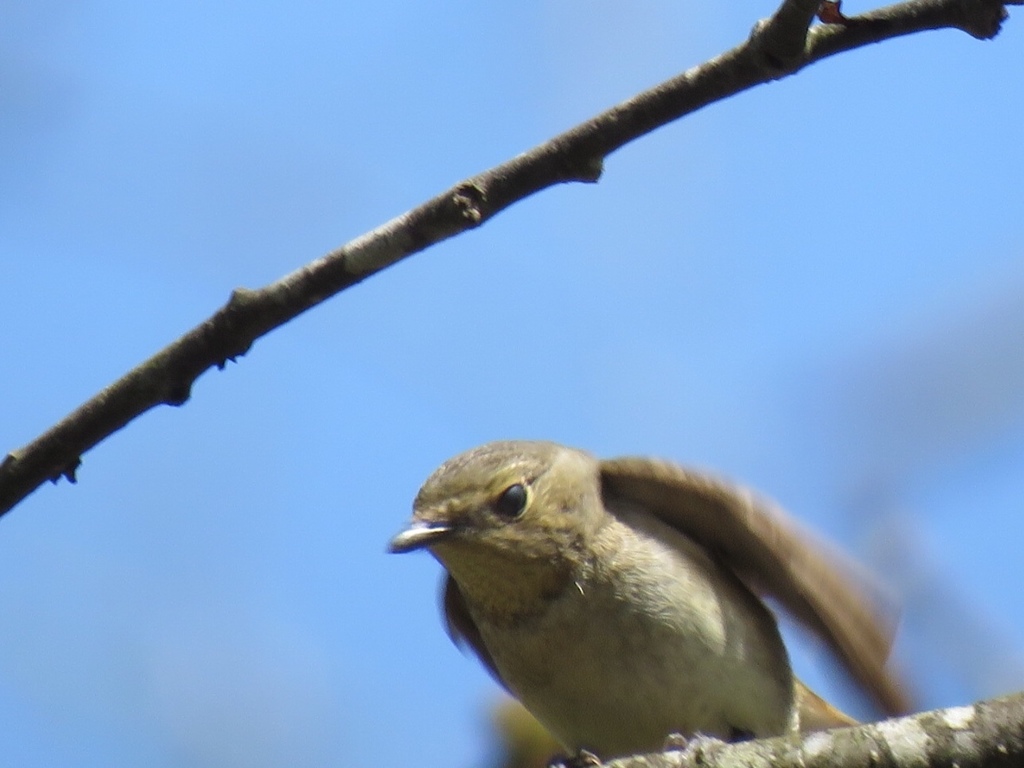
<point x="502" y="590"/>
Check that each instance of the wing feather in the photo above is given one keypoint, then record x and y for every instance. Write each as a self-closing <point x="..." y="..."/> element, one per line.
<point x="463" y="630"/>
<point x="774" y="556"/>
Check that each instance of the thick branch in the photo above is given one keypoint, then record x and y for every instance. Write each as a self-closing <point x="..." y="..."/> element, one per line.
<point x="989" y="734"/>
<point x="779" y="46"/>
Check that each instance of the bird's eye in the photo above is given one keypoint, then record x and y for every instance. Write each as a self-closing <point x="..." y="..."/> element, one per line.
<point x="512" y="501"/>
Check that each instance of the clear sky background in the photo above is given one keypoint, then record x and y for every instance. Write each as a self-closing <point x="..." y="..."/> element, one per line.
<point x="816" y="287"/>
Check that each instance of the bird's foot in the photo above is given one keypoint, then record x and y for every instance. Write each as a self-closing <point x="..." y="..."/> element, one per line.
<point x="697" y="747"/>
<point x="582" y="759"/>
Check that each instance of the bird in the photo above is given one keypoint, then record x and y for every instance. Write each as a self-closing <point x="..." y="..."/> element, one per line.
<point x="620" y="600"/>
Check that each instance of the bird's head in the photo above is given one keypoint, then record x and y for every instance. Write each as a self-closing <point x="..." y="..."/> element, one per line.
<point x="506" y="511"/>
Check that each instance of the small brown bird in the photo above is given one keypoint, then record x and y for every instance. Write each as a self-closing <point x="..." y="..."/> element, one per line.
<point x="617" y="599"/>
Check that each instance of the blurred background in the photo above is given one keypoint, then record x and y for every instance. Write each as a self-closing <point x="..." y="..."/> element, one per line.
<point x="816" y="287"/>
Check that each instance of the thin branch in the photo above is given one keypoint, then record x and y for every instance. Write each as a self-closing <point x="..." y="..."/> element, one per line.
<point x="989" y="734"/>
<point x="779" y="46"/>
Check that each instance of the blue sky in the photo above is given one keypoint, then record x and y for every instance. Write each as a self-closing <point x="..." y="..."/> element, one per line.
<point x="814" y="287"/>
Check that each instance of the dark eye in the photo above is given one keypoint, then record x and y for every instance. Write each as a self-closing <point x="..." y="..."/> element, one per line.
<point x="512" y="501"/>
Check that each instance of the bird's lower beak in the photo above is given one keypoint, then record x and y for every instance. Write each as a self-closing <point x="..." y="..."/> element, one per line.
<point x="419" y="535"/>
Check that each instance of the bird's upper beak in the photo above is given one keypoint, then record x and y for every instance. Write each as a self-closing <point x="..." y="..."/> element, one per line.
<point x="418" y="535"/>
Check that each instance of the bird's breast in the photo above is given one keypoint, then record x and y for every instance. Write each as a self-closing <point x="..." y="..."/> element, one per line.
<point x="651" y="637"/>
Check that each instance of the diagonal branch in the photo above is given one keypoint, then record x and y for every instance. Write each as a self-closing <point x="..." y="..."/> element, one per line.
<point x="989" y="734"/>
<point x="779" y="46"/>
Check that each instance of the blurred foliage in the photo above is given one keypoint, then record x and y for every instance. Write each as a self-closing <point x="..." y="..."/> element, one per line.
<point x="524" y="743"/>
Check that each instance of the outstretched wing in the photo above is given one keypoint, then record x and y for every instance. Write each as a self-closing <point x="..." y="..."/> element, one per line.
<point x="774" y="556"/>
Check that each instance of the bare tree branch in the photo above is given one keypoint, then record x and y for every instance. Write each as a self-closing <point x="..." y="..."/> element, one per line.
<point x="779" y="46"/>
<point x="989" y="734"/>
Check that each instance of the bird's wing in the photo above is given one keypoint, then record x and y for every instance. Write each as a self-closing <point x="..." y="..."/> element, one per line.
<point x="462" y="629"/>
<point x="775" y="557"/>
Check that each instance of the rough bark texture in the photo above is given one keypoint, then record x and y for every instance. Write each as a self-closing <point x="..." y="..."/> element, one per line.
<point x="989" y="734"/>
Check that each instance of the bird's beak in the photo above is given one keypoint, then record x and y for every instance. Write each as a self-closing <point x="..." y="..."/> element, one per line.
<point x="419" y="535"/>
